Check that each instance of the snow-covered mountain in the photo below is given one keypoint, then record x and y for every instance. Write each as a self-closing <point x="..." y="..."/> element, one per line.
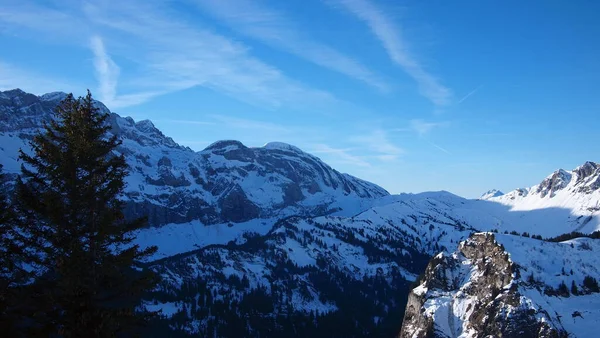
<point x="491" y="193"/>
<point x="271" y="241"/>
<point x="577" y="191"/>
<point x="508" y="286"/>
<point x="226" y="182"/>
<point x="303" y="262"/>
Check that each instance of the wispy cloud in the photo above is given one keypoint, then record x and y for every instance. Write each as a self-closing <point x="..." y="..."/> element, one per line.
<point x="440" y="148"/>
<point x="279" y="31"/>
<point x="423" y="128"/>
<point x="378" y="144"/>
<point x="469" y="94"/>
<point x="340" y="155"/>
<point x="169" y="53"/>
<point x="390" y="35"/>
<point x="107" y="72"/>
<point x="180" y="55"/>
<point x="55" y="24"/>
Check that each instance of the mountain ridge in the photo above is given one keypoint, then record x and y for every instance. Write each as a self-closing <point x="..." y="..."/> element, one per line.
<point x="224" y="182"/>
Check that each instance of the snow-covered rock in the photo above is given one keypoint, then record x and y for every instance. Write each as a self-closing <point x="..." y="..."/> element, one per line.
<point x="504" y="285"/>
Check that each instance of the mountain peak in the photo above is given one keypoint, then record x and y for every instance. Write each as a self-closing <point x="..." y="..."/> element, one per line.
<point x="53" y="96"/>
<point x="490" y="194"/>
<point x="145" y="125"/>
<point x="586" y="170"/>
<point x="18" y="96"/>
<point x="14" y="92"/>
<point x="225" y="145"/>
<point x="282" y="146"/>
<point x="588" y="164"/>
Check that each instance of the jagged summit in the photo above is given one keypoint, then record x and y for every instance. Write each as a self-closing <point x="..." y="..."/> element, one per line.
<point x="560" y="185"/>
<point x="575" y="193"/>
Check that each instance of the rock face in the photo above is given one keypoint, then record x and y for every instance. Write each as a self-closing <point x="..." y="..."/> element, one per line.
<point x="474" y="293"/>
<point x="226" y="182"/>
<point x="557" y="181"/>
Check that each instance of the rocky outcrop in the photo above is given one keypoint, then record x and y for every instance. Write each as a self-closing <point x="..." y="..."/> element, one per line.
<point x="557" y="181"/>
<point x="588" y="177"/>
<point x="474" y="293"/>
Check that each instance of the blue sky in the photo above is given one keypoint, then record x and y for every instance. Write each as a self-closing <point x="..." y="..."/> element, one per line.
<point x="463" y="96"/>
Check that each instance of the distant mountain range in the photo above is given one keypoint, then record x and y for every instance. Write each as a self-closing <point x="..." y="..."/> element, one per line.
<point x="271" y="241"/>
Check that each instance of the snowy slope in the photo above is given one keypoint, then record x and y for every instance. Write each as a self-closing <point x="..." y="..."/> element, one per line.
<point x="576" y="191"/>
<point x="407" y="218"/>
<point x="507" y="285"/>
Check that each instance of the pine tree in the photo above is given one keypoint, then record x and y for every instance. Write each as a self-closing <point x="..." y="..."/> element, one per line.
<point x="574" y="289"/>
<point x="563" y="290"/>
<point x="591" y="284"/>
<point x="88" y="282"/>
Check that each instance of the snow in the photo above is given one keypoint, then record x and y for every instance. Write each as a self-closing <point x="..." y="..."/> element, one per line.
<point x="490" y="194"/>
<point x="167" y="309"/>
<point x="172" y="239"/>
<point x="547" y="261"/>
<point x="298" y="254"/>
<point x="9" y="152"/>
<point x="282" y="146"/>
<point x="54" y="96"/>
<point x="571" y="206"/>
<point x="551" y="262"/>
<point x="562" y="310"/>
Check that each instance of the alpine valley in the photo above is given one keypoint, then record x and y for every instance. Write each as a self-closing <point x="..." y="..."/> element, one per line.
<point x="273" y="242"/>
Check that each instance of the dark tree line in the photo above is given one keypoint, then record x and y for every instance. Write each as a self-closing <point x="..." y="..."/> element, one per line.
<point x="69" y="268"/>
